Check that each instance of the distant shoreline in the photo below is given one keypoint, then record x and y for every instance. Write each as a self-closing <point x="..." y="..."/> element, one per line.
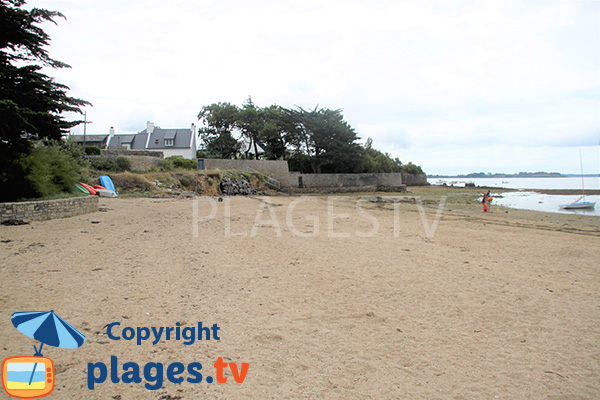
<point x="525" y="175"/>
<point x="499" y="189"/>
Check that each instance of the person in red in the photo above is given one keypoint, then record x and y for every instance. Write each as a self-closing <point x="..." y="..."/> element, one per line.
<point x="486" y="199"/>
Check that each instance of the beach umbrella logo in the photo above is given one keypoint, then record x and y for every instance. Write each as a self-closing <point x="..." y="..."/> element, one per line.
<point x="33" y="377"/>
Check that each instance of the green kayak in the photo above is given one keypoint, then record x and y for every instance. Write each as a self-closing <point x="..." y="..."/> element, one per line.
<point x="81" y="189"/>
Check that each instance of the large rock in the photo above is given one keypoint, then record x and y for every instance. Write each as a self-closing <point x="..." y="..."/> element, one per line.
<point x="236" y="185"/>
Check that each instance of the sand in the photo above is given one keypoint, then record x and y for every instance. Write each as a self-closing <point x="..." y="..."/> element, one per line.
<point x="369" y="304"/>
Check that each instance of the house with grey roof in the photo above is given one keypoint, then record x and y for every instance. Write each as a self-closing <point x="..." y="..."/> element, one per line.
<point x="172" y="142"/>
<point x="90" y="140"/>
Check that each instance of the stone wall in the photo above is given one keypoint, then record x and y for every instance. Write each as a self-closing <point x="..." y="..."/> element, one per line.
<point x="276" y="169"/>
<point x="341" y="181"/>
<point x="48" y="209"/>
<point x="143" y="163"/>
<point x="414" y="179"/>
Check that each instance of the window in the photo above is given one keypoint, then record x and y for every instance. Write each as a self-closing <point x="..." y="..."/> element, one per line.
<point x="168" y="142"/>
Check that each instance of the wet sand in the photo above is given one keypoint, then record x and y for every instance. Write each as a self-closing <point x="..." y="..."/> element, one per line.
<point x="366" y="303"/>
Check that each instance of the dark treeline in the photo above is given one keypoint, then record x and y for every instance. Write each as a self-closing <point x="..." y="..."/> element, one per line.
<point x="34" y="161"/>
<point x="312" y="141"/>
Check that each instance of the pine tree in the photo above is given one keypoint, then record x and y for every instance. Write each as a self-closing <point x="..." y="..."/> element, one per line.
<point x="31" y="103"/>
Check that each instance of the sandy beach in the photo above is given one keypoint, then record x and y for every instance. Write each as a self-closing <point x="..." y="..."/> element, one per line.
<point x="343" y="297"/>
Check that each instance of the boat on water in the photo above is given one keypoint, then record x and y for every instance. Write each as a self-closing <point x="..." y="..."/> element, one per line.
<point x="578" y="204"/>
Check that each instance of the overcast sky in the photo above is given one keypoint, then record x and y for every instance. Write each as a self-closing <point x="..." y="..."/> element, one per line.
<point x="454" y="86"/>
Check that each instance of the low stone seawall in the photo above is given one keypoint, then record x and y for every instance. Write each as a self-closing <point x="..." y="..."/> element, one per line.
<point x="48" y="209"/>
<point x="414" y="179"/>
<point x="323" y="181"/>
<point x="349" y="189"/>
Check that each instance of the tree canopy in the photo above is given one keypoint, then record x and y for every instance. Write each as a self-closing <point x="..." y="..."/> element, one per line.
<point x="218" y="123"/>
<point x="251" y="122"/>
<point x="317" y="140"/>
<point x="31" y="103"/>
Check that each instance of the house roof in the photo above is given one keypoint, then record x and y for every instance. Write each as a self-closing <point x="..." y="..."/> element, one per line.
<point x="89" y="138"/>
<point x="182" y="139"/>
<point x="127" y="138"/>
<point x="170" y="134"/>
<point x="135" y="141"/>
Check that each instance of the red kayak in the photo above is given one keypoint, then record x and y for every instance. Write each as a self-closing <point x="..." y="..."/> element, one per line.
<point x="100" y="187"/>
<point x="89" y="188"/>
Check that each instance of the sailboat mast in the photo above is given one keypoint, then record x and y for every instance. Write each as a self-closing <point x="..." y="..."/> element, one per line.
<point x="582" y="184"/>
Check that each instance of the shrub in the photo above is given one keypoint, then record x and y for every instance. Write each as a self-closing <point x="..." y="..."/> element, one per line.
<point x="92" y="151"/>
<point x="72" y="148"/>
<point x="49" y="171"/>
<point x="104" y="164"/>
<point x="119" y="164"/>
<point x="184" y="163"/>
<point x="174" y="162"/>
<point x="186" y="180"/>
<point x="123" y="164"/>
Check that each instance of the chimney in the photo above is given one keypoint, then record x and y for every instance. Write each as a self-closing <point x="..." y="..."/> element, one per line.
<point x="111" y="135"/>
<point x="193" y="141"/>
<point x="149" y="131"/>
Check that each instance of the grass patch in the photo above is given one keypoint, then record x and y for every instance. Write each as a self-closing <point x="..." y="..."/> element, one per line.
<point x="130" y="182"/>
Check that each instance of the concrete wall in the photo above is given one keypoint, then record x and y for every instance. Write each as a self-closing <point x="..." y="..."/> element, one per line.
<point x="274" y="168"/>
<point x="185" y="153"/>
<point x="414" y="179"/>
<point x="319" y="181"/>
<point x="48" y="209"/>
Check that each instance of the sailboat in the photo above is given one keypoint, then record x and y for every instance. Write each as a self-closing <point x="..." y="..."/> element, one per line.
<point x="578" y="204"/>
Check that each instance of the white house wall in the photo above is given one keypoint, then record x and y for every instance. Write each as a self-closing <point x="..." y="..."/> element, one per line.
<point x="185" y="153"/>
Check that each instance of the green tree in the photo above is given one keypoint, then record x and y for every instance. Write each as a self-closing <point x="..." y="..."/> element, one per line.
<point x="218" y="120"/>
<point x="31" y="103"/>
<point x="279" y="132"/>
<point x="251" y="123"/>
<point x="327" y="139"/>
<point x="375" y="161"/>
<point x="411" y="168"/>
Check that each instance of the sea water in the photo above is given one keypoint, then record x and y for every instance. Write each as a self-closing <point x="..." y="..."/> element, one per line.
<point x="569" y="182"/>
<point x="526" y="198"/>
